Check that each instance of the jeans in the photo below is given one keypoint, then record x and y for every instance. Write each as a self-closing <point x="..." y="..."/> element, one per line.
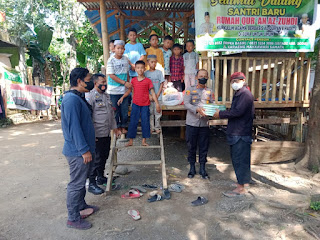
<point x="197" y="136"/>
<point x="155" y="116"/>
<point x="76" y="190"/>
<point x="136" y="113"/>
<point x="240" y="155"/>
<point x="121" y="112"/>
<point x="97" y="165"/>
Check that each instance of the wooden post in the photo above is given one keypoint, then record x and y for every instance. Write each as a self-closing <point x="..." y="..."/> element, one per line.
<point x="104" y="31"/>
<point x="174" y="30"/>
<point x="185" y="29"/>
<point x="299" y="127"/>
<point x="122" y="30"/>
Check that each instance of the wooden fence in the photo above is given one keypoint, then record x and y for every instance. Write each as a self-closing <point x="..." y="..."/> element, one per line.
<point x="274" y="82"/>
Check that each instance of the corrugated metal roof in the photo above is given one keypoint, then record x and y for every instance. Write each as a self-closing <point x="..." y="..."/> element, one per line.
<point x="168" y="6"/>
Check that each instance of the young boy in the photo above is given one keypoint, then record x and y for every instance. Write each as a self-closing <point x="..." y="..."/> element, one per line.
<point x="191" y="63"/>
<point x="111" y="47"/>
<point x="140" y="104"/>
<point x="103" y="121"/>
<point x="177" y="67"/>
<point x="155" y="50"/>
<point x="167" y="53"/>
<point x="118" y="81"/>
<point x="134" y="51"/>
<point x="157" y="81"/>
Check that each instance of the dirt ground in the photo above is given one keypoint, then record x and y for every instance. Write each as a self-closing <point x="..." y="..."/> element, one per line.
<point x="34" y="176"/>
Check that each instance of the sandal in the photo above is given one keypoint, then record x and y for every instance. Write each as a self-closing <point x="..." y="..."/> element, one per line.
<point x="175" y="188"/>
<point x="232" y="194"/>
<point x="86" y="213"/>
<point x="155" y="198"/>
<point x="132" y="194"/>
<point x="149" y="186"/>
<point x="134" y="214"/>
<point x="200" y="201"/>
<point x="141" y="189"/>
<point x="166" y="194"/>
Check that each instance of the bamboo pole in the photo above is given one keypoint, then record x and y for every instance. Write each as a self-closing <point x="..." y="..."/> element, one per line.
<point x="281" y="80"/>
<point x="232" y="71"/>
<point x="260" y="81"/>
<point x="268" y="80"/>
<point x="306" y="88"/>
<point x="274" y="80"/>
<point x="295" y="80"/>
<point x="104" y="31"/>
<point x="253" y="80"/>
<point x="122" y="30"/>
<point x="300" y="90"/>
<point x="224" y="84"/>
<point x="288" y="84"/>
<point x="216" y="80"/>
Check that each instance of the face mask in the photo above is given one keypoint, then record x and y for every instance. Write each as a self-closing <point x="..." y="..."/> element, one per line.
<point x="203" y="80"/>
<point x="90" y="85"/>
<point x="237" y="86"/>
<point x="102" y="87"/>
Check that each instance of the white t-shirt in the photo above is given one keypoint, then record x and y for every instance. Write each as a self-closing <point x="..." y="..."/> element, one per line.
<point x="120" y="68"/>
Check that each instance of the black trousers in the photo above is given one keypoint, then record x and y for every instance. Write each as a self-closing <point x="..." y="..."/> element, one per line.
<point x="97" y="165"/>
<point x="197" y="137"/>
<point x="241" y="155"/>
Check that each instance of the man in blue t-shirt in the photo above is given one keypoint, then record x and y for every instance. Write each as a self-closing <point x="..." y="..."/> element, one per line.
<point x="79" y="146"/>
<point x="134" y="51"/>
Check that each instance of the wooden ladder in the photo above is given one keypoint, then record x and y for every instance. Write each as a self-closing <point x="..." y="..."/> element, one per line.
<point x="114" y="160"/>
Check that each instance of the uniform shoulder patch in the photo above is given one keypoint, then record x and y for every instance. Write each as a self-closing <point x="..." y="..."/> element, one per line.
<point x="188" y="92"/>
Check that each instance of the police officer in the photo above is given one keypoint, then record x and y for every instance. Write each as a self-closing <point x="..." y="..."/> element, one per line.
<point x="104" y="121"/>
<point x="197" y="129"/>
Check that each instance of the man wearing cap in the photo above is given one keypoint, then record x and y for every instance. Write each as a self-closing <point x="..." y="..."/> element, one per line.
<point x="239" y="131"/>
<point x="207" y="26"/>
<point x="118" y="80"/>
<point x="197" y="129"/>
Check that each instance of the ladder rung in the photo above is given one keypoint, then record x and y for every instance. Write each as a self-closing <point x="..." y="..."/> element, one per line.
<point x="153" y="162"/>
<point x="131" y="147"/>
<point x="153" y="133"/>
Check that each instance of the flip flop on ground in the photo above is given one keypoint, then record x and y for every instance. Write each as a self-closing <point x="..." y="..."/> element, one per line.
<point x="132" y="194"/>
<point x="134" y="214"/>
<point x="155" y="198"/>
<point x="200" y="201"/>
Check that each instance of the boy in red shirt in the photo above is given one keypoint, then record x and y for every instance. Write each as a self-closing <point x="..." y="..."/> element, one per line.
<point x="140" y="104"/>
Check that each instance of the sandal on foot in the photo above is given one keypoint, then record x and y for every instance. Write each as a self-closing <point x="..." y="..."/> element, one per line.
<point x="141" y="189"/>
<point x="200" y="201"/>
<point x="155" y="198"/>
<point x="132" y="194"/>
<point x="134" y="214"/>
<point x="166" y="194"/>
<point x="232" y="194"/>
<point x="86" y="213"/>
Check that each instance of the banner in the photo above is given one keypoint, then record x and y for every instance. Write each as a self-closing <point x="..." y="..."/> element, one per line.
<point x="255" y="25"/>
<point x="29" y="97"/>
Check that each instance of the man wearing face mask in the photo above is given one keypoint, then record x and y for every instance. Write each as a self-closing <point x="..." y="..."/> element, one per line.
<point x="103" y="121"/>
<point x="79" y="146"/>
<point x="239" y="131"/>
<point x="197" y="129"/>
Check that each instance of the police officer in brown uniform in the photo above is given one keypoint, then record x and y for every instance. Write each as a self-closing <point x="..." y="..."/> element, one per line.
<point x="104" y="121"/>
<point x="197" y="128"/>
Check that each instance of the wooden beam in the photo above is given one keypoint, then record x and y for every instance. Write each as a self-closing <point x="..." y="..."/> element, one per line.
<point x="161" y="28"/>
<point x="104" y="32"/>
<point x="115" y="5"/>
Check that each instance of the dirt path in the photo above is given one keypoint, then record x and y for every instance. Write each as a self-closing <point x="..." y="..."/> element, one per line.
<point x="34" y="175"/>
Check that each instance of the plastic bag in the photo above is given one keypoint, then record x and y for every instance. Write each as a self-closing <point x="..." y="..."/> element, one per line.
<point x="171" y="96"/>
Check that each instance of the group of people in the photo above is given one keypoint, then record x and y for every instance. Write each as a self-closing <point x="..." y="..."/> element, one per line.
<point x="138" y="76"/>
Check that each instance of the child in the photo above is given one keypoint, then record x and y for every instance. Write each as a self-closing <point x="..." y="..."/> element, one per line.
<point x="191" y="63"/>
<point x="134" y="51"/>
<point x="118" y="81"/>
<point x="167" y="53"/>
<point x="111" y="47"/>
<point x="140" y="104"/>
<point x="155" y="50"/>
<point x="177" y="67"/>
<point x="157" y="81"/>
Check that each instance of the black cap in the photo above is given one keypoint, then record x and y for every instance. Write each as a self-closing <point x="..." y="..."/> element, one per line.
<point x="206" y="14"/>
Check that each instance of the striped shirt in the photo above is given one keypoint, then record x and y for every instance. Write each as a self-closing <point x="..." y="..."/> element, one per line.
<point x="120" y="68"/>
<point x="176" y="68"/>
